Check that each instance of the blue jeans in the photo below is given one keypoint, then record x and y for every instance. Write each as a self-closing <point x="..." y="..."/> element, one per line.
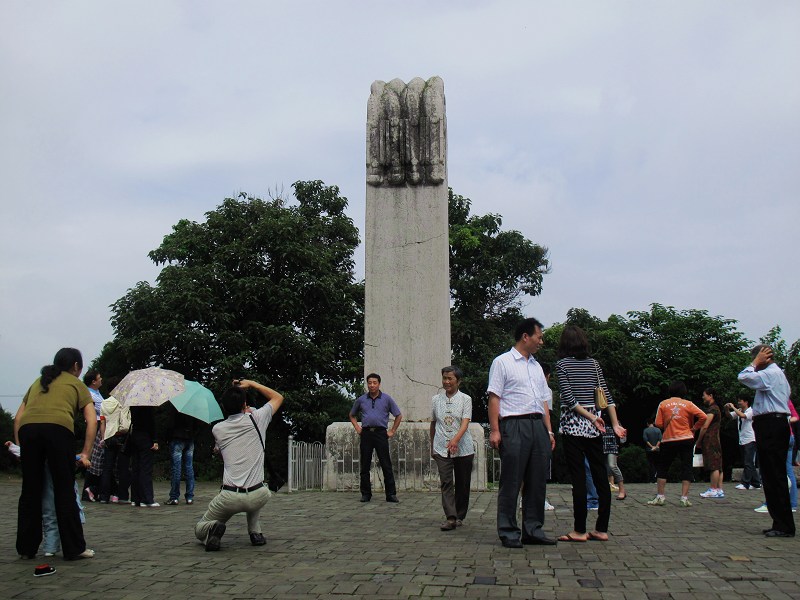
<point x="592" y="499"/>
<point x="51" y="540"/>
<point x="182" y="452"/>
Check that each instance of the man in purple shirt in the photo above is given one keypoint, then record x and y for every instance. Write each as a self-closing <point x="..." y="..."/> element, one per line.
<point x="375" y="407"/>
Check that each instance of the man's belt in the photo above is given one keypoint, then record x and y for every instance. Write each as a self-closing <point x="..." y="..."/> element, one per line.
<point x="233" y="488"/>
<point x="529" y="416"/>
<point x="772" y="415"/>
<point x="374" y="428"/>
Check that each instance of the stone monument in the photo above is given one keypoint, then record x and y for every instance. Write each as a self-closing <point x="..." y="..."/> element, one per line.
<point x="407" y="308"/>
<point x="407" y="319"/>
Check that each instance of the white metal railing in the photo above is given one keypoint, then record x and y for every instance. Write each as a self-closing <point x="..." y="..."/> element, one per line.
<point x="306" y="465"/>
<point x="413" y="467"/>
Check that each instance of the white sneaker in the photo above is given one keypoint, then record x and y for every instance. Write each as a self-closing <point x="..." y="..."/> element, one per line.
<point x="548" y="506"/>
<point x="685" y="502"/>
<point x="49" y="553"/>
<point x="709" y="493"/>
<point x="153" y="505"/>
<point x="742" y="486"/>
<point x="657" y="501"/>
<point x="720" y="493"/>
<point x="761" y="509"/>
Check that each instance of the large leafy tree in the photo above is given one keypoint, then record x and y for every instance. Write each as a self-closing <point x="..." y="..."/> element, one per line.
<point x="260" y="289"/>
<point x="491" y="271"/>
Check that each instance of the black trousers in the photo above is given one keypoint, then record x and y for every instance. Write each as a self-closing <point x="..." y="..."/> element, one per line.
<point x="373" y="438"/>
<point x="141" y="467"/>
<point x="772" y="444"/>
<point x="524" y="460"/>
<point x="683" y="450"/>
<point x="40" y="442"/>
<point x="116" y="463"/>
<point x="575" y="450"/>
<point x="651" y="465"/>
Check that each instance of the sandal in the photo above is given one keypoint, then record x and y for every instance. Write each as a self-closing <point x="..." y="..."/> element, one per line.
<point x="568" y="537"/>
<point x="598" y="537"/>
<point x="622" y="497"/>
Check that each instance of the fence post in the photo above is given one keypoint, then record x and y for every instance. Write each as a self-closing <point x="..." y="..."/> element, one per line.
<point x="289" y="469"/>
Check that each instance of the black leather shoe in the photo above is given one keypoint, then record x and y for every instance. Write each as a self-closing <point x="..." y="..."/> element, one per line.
<point x="511" y="543"/>
<point x="539" y="541"/>
<point x="214" y="536"/>
<point x="776" y="533"/>
<point x="766" y="531"/>
<point x="392" y="499"/>
<point x="257" y="539"/>
<point x="365" y="498"/>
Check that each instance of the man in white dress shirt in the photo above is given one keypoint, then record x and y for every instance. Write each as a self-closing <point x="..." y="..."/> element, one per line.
<point x="519" y="420"/>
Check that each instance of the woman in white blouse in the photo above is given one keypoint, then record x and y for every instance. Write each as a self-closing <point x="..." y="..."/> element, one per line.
<point x="451" y="446"/>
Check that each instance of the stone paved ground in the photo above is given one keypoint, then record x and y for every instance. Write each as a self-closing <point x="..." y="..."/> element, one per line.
<point x="328" y="545"/>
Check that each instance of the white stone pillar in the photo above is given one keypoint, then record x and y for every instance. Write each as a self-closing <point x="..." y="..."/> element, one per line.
<point x="407" y="310"/>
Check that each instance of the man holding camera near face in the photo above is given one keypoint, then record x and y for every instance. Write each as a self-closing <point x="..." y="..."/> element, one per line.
<point x="240" y="439"/>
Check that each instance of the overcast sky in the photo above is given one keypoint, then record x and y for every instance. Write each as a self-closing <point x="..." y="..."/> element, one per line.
<point x="654" y="148"/>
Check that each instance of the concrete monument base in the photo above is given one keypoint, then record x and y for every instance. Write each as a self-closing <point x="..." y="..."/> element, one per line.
<point x="410" y="451"/>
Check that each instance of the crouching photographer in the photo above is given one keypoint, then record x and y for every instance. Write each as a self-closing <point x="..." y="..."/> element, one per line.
<point x="240" y="440"/>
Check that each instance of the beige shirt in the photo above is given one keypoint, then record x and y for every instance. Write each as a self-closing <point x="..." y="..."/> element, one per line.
<point x="447" y="414"/>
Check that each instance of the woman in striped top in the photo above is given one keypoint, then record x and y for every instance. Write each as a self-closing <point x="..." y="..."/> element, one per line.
<point x="581" y="427"/>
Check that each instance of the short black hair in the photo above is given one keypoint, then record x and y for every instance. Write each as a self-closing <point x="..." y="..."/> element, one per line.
<point x="90" y="376"/>
<point x="545" y="368"/>
<point x="528" y="326"/>
<point x="757" y="348"/>
<point x="677" y="389"/>
<point x="233" y="400"/>
<point x="373" y="376"/>
<point x="459" y="375"/>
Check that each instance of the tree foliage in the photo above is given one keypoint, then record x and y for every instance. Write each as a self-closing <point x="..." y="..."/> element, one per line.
<point x="491" y="271"/>
<point x="260" y="289"/>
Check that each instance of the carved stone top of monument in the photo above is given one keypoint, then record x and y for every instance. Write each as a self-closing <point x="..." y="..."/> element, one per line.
<point x="407" y="133"/>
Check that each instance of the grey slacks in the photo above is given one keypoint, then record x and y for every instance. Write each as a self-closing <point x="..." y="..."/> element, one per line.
<point x="455" y="474"/>
<point x="524" y="461"/>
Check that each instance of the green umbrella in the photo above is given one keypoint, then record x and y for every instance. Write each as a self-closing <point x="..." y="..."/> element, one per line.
<point x="198" y="402"/>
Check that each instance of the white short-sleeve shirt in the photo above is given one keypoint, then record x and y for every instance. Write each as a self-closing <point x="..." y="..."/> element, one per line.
<point x="520" y="384"/>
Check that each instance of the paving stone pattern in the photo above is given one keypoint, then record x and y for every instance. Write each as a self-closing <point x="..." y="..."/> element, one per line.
<point x="329" y="545"/>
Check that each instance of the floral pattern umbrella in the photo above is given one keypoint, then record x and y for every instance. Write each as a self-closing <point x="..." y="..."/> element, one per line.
<point x="199" y="402"/>
<point x="149" y="387"/>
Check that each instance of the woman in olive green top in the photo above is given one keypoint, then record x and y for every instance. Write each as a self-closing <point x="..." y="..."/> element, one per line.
<point x="43" y="428"/>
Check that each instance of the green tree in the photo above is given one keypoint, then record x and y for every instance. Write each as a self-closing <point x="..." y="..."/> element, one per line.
<point x="260" y="289"/>
<point x="491" y="270"/>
